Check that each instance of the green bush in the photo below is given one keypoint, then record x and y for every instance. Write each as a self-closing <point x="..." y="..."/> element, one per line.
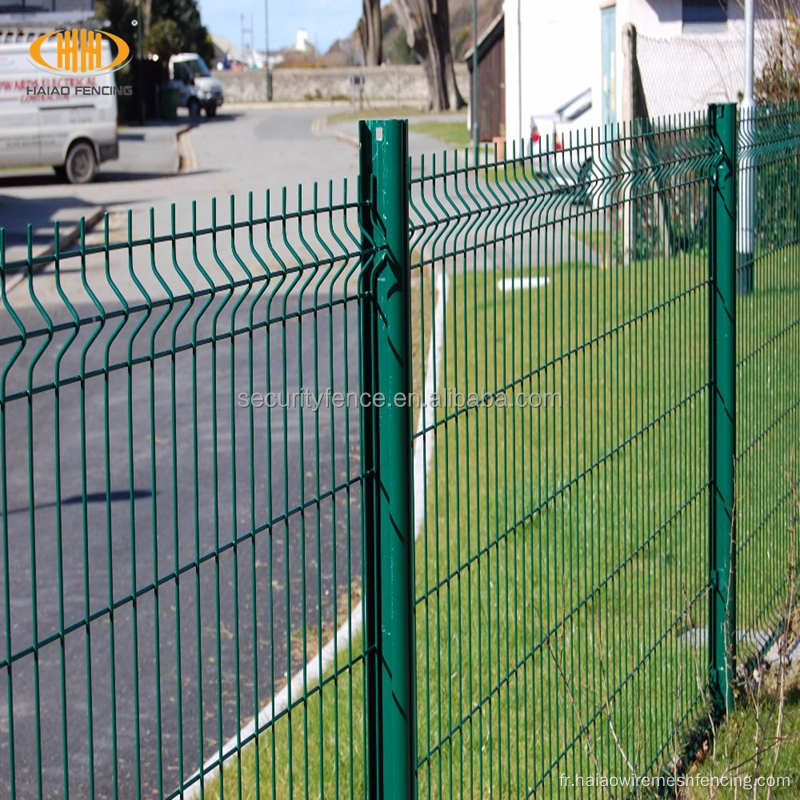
<point x="779" y="81"/>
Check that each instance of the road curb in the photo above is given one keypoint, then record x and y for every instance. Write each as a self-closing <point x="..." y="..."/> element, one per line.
<point x="319" y="127"/>
<point x="187" y="161"/>
<point x="334" y="105"/>
<point x="69" y="234"/>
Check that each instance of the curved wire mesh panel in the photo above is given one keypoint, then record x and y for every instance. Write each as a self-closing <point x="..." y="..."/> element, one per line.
<point x="563" y="556"/>
<point x="768" y="398"/>
<point x="181" y="526"/>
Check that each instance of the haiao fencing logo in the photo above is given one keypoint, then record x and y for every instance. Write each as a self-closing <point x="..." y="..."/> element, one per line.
<point x="78" y="52"/>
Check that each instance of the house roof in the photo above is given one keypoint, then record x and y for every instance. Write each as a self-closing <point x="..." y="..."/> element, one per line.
<point x="487" y="39"/>
<point x="223" y="45"/>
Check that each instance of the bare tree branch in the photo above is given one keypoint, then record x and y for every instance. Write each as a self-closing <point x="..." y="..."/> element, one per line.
<point x="370" y="33"/>
<point x="427" y="27"/>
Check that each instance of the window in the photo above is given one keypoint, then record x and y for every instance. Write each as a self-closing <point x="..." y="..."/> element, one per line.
<point x="705" y="12"/>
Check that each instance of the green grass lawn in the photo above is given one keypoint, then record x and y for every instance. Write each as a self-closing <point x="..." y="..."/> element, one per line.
<point x="387" y="112"/>
<point x="541" y="546"/>
<point x="564" y="553"/>
<point x="455" y="133"/>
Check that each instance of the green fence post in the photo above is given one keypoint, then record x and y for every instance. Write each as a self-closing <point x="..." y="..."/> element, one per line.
<point x="722" y="617"/>
<point x="388" y="519"/>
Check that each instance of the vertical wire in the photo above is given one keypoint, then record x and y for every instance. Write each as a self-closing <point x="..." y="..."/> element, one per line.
<point x="12" y="772"/>
<point x="59" y="525"/>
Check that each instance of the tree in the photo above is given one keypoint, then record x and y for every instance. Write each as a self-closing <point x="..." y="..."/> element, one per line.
<point x="170" y="26"/>
<point x="779" y="80"/>
<point x="427" y="27"/>
<point x="395" y="44"/>
<point x="186" y="15"/>
<point x="164" y="40"/>
<point x="121" y="16"/>
<point x="369" y="32"/>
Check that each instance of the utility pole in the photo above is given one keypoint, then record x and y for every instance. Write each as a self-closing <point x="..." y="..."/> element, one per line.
<point x="245" y="33"/>
<point x="746" y="234"/>
<point x="266" y="50"/>
<point x="139" y="56"/>
<point x="474" y="105"/>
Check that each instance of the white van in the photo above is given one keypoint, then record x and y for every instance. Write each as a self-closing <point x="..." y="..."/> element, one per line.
<point x="68" y="122"/>
<point x="189" y="74"/>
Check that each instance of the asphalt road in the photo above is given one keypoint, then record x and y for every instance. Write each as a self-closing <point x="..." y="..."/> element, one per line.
<point x="240" y="151"/>
<point x="201" y="539"/>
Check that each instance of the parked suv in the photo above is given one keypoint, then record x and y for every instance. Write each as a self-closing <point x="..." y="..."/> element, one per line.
<point x="189" y="74"/>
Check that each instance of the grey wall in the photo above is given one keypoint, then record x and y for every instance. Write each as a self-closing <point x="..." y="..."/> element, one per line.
<point x="397" y="83"/>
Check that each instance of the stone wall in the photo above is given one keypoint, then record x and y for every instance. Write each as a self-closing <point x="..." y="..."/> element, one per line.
<point x="399" y="84"/>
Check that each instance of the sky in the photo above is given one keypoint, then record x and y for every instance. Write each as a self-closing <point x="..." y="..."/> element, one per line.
<point x="325" y="20"/>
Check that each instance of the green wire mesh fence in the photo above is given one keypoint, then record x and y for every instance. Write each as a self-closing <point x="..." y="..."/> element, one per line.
<point x="220" y="578"/>
<point x="767" y="348"/>
<point x="180" y="532"/>
<point x="559" y="566"/>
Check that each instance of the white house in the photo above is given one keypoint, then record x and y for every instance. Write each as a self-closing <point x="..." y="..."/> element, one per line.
<point x="690" y="53"/>
<point x="552" y="52"/>
<point x="302" y="43"/>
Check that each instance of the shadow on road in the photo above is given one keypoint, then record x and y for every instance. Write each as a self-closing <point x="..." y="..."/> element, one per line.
<point x="121" y="495"/>
<point x="16" y="216"/>
<point x="221" y="116"/>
